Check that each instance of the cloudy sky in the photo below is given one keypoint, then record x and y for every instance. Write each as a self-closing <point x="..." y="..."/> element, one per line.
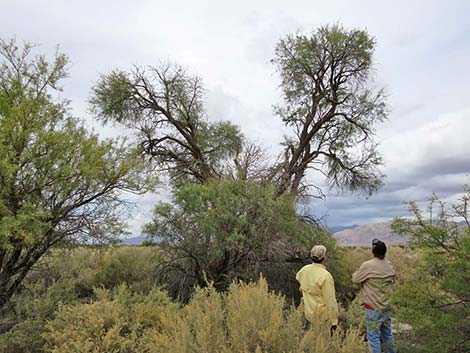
<point x="422" y="57"/>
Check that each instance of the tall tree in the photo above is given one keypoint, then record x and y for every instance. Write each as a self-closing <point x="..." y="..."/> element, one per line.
<point x="58" y="182"/>
<point x="331" y="109"/>
<point x="222" y="219"/>
<point x="164" y="105"/>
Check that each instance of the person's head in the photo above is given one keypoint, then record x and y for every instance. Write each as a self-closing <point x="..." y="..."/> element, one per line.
<point x="318" y="254"/>
<point x="379" y="249"/>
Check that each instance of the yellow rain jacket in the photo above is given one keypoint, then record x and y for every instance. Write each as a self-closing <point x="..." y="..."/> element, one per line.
<point x="318" y="291"/>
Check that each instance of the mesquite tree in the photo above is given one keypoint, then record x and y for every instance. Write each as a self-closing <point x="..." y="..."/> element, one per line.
<point x="58" y="182"/>
<point x="330" y="109"/>
<point x="164" y="106"/>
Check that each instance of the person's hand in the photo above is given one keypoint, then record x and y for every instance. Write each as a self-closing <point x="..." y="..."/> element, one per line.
<point x="332" y="329"/>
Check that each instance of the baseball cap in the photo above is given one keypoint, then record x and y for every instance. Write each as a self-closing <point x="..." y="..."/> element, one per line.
<point x="318" y="252"/>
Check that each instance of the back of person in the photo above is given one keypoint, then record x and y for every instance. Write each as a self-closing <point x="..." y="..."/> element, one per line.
<point x="319" y="299"/>
<point x="376" y="278"/>
<point x="318" y="290"/>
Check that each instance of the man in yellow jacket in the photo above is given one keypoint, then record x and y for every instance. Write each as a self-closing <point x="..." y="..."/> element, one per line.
<point x="318" y="290"/>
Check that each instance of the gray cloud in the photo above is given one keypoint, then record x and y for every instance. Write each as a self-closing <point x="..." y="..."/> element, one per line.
<point x="422" y="50"/>
<point x="430" y="158"/>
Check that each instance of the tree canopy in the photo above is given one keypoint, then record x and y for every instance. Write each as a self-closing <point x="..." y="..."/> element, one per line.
<point x="58" y="181"/>
<point x="164" y="105"/>
<point x="330" y="108"/>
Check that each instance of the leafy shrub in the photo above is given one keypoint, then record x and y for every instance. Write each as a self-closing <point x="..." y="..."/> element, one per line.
<point x="222" y="231"/>
<point x="435" y="302"/>
<point x="113" y="323"/>
<point x="69" y="277"/>
<point x="234" y="230"/>
<point x="31" y="311"/>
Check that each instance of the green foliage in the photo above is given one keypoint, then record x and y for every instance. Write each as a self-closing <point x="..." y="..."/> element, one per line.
<point x="309" y="54"/>
<point x="58" y="181"/>
<point x="435" y="301"/>
<point x="226" y="230"/>
<point x="325" y="79"/>
<point x="164" y="106"/>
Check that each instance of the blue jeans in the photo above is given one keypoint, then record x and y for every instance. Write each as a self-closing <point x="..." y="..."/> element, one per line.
<point x="379" y="331"/>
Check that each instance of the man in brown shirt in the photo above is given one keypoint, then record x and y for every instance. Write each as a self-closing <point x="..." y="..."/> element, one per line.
<point x="376" y="278"/>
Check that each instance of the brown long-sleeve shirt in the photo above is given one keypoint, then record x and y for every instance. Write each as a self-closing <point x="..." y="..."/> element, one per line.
<point x="376" y="278"/>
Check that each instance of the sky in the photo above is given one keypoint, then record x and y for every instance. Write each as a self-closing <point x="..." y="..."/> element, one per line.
<point x="421" y="59"/>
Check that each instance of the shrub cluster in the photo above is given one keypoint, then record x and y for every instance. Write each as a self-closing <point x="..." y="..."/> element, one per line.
<point x="104" y="300"/>
<point x="248" y="318"/>
<point x="70" y="277"/>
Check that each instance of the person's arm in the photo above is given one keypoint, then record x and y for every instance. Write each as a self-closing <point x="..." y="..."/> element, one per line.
<point x="361" y="274"/>
<point x="329" y="297"/>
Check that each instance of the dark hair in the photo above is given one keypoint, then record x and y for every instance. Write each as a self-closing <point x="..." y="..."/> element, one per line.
<point x="316" y="260"/>
<point x="379" y="249"/>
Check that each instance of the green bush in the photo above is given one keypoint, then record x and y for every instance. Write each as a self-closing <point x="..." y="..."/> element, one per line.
<point x="228" y="230"/>
<point x="115" y="322"/>
<point x="31" y="311"/>
<point x="69" y="277"/>
<point x="435" y="301"/>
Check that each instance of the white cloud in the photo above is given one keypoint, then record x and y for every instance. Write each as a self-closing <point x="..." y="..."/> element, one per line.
<point x="430" y="158"/>
<point x="422" y="51"/>
<point x="429" y="146"/>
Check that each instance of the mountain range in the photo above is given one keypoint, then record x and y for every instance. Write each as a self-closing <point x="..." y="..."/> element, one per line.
<point x="354" y="235"/>
<point x="362" y="235"/>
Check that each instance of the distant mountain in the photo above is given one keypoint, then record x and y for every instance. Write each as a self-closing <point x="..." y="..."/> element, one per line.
<point x="133" y="241"/>
<point x="353" y="235"/>
<point x="363" y="235"/>
<point x="336" y="229"/>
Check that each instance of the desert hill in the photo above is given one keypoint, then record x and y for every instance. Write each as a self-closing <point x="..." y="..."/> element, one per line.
<point x="362" y="235"/>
